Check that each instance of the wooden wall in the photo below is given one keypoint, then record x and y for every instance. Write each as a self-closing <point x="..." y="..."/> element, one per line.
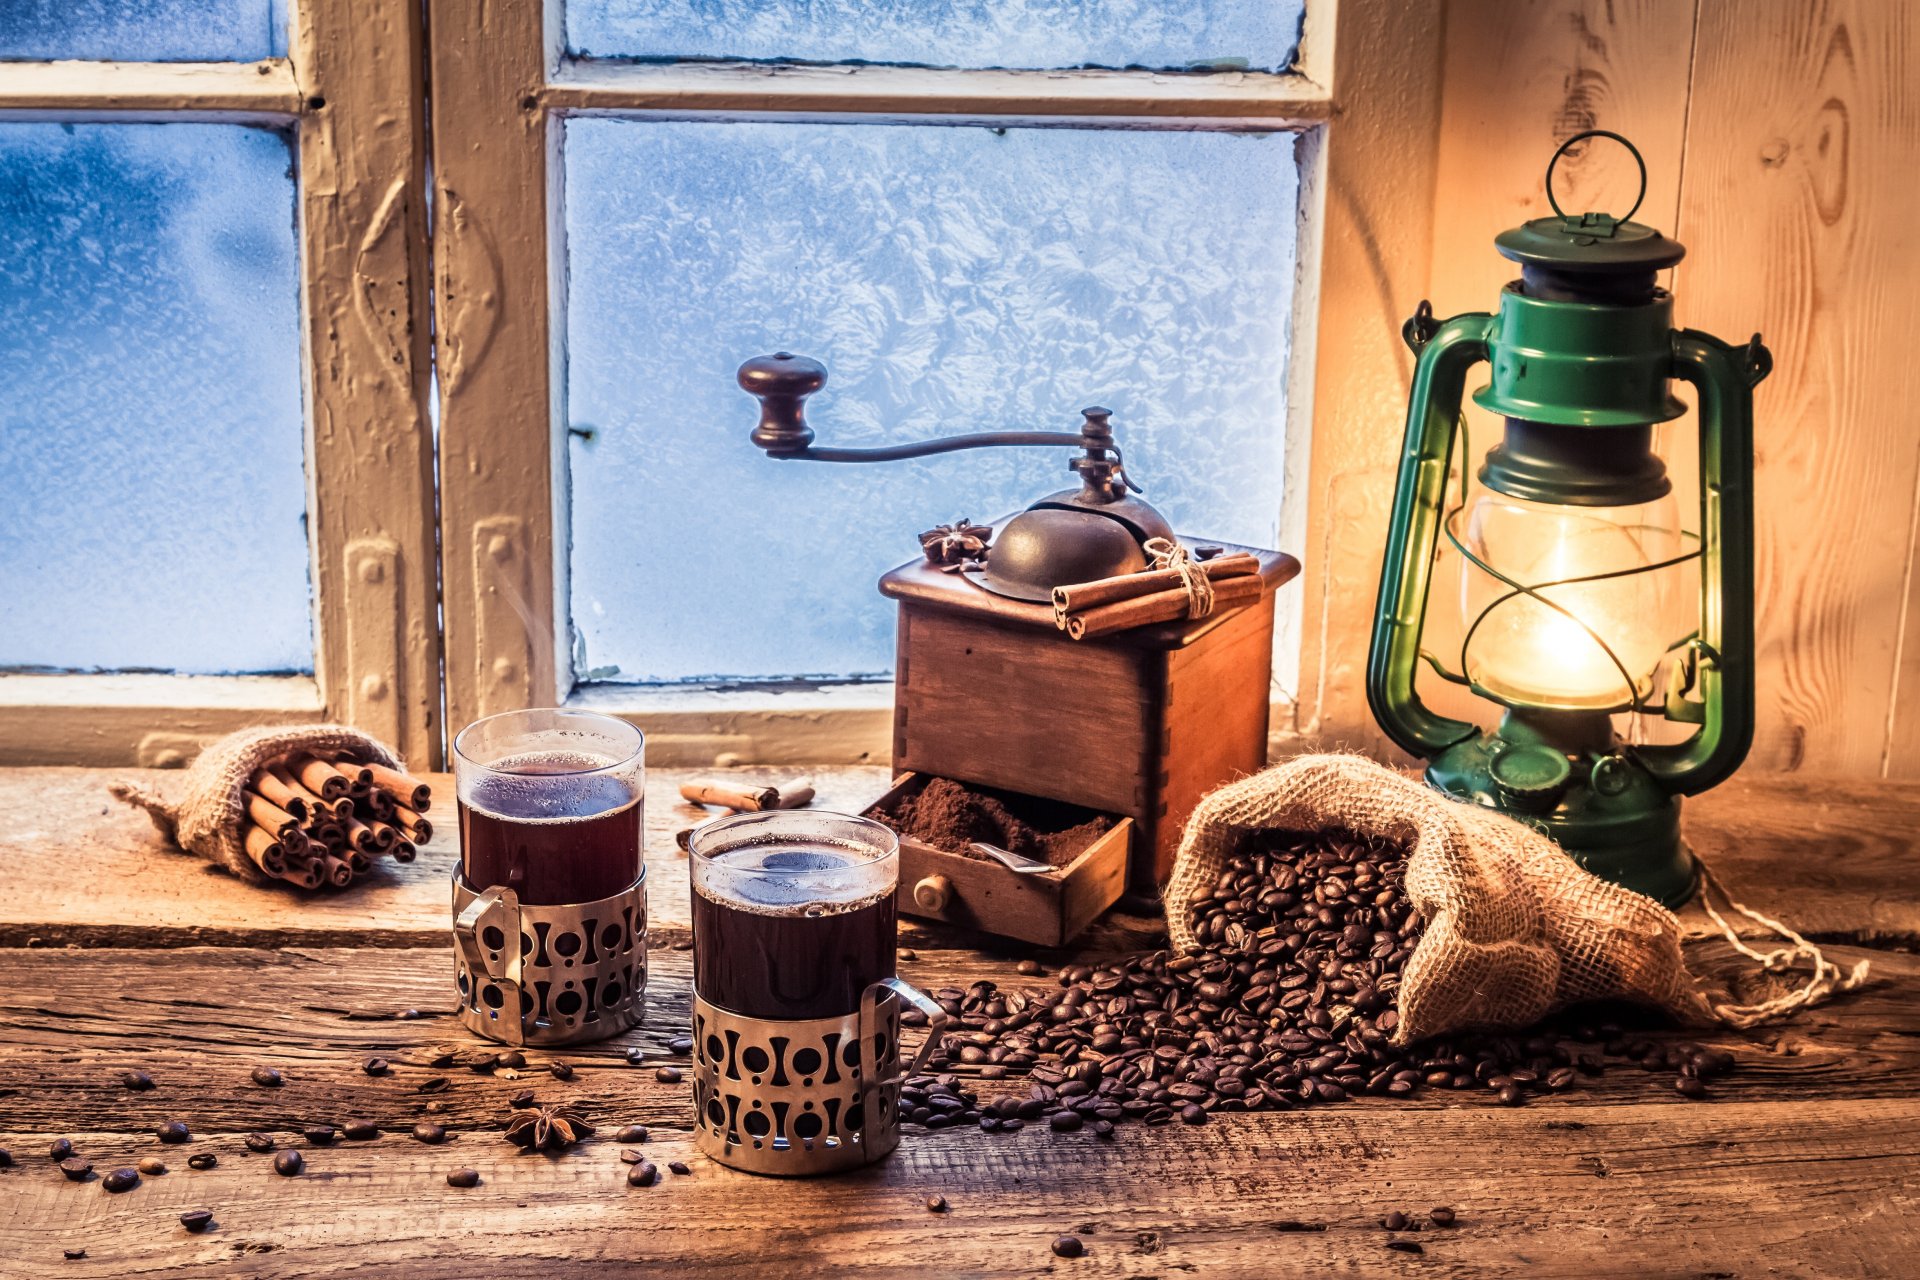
<point x="1782" y="140"/>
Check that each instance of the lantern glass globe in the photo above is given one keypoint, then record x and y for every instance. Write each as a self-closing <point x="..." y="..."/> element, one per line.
<point x="1551" y="648"/>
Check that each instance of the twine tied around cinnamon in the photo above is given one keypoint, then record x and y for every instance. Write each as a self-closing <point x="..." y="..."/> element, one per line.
<point x="1165" y="553"/>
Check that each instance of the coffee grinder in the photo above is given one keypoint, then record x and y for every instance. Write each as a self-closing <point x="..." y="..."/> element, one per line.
<point x="1138" y="725"/>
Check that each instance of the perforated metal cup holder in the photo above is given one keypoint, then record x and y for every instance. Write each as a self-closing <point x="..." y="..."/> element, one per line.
<point x="804" y="1097"/>
<point x="549" y="974"/>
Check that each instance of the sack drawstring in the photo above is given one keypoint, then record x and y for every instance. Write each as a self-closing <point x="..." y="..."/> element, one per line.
<point x="1827" y="977"/>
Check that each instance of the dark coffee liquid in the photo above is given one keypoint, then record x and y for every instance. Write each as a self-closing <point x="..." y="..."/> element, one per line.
<point x="549" y="832"/>
<point x="759" y="953"/>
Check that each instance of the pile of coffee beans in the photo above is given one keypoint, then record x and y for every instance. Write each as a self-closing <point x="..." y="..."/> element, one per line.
<point x="1289" y="1001"/>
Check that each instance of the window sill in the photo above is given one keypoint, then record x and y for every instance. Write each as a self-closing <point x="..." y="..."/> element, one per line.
<point x="156" y="721"/>
<point x="827" y="724"/>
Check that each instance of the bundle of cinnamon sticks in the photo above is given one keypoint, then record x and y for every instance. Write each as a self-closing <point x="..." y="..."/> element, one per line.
<point x="1108" y="605"/>
<point x="319" y="823"/>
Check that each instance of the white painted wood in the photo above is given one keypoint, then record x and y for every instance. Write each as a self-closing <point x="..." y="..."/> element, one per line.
<point x="154" y="720"/>
<point x="148" y="90"/>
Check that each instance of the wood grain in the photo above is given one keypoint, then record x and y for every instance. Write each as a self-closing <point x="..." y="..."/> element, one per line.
<point x="1673" y="1190"/>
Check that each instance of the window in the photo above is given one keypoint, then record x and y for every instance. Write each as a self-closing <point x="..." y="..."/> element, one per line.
<point x="212" y="337"/>
<point x="978" y="215"/>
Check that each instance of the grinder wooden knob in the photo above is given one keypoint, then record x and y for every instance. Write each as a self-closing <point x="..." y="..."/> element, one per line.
<point x="782" y="382"/>
<point x="932" y="894"/>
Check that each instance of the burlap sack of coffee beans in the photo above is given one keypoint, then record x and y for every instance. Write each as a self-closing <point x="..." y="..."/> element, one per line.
<point x="204" y="812"/>
<point x="1514" y="927"/>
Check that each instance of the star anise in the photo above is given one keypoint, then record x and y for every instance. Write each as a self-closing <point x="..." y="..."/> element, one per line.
<point x="552" y="1128"/>
<point x="952" y="545"/>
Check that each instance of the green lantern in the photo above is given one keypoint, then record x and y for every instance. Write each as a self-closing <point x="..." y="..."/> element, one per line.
<point x="1577" y="592"/>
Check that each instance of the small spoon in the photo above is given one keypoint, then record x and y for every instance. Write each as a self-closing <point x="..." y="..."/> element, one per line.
<point x="1014" y="861"/>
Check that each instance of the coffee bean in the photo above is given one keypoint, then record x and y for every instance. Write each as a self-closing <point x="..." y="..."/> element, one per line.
<point x="634" y="1055"/>
<point x="679" y="1167"/>
<point x="464" y="1178"/>
<point x="376" y="1066"/>
<point x="1065" y="1121"/>
<point x="152" y="1166"/>
<point x="202" y="1160"/>
<point x="1029" y="967"/>
<point x="1293" y="1224"/>
<point x="121" y="1180"/>
<point x="197" y="1220"/>
<point x="630" y="1156"/>
<point x="1442" y="1216"/>
<point x="434" y="1084"/>
<point x="1405" y="1246"/>
<point x="643" y="1174"/>
<point x="1395" y="1221"/>
<point x="443" y="1059"/>
<point x="173" y="1131"/>
<point x="362" y="1131"/>
<point x="73" y="1255"/>
<point x="936" y="1204"/>
<point x="322" y="1135"/>
<point x="632" y="1133"/>
<point x="432" y="1134"/>
<point x="259" y="1142"/>
<point x="560" y="1071"/>
<point x="61" y="1148"/>
<point x="907" y="953"/>
<point x="1193" y="1113"/>
<point x="680" y="1044"/>
<point x="138" y="1081"/>
<point x="289" y="1163"/>
<point x="1512" y="1095"/>
<point x="1068" y="1247"/>
<point x="1690" y="1087"/>
<point x="512" y="1059"/>
<point x="267" y="1077"/>
<point x="76" y="1168"/>
<point x="521" y="1100"/>
<point x="667" y="1075"/>
<point x="6" y="1158"/>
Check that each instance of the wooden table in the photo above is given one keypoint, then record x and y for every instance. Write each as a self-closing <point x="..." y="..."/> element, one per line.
<point x="122" y="955"/>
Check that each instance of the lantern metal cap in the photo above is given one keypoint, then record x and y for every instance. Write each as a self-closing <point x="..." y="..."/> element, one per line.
<point x="1590" y="243"/>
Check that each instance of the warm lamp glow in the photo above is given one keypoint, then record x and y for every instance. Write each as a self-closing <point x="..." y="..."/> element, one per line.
<point x="1525" y="651"/>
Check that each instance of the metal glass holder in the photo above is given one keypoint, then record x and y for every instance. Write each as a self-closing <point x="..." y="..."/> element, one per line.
<point x="578" y="972"/>
<point x="794" y="1098"/>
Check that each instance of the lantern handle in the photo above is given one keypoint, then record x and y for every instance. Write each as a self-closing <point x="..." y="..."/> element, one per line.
<point x="1631" y="150"/>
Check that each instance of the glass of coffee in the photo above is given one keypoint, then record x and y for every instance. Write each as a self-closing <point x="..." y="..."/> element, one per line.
<point x="549" y="899"/>
<point x="797" y="1058"/>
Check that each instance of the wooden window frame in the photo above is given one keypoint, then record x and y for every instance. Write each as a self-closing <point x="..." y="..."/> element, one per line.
<point x="351" y="89"/>
<point x="503" y="86"/>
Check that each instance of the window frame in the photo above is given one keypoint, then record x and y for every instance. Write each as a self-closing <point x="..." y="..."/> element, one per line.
<point x="351" y="90"/>
<point x="502" y="94"/>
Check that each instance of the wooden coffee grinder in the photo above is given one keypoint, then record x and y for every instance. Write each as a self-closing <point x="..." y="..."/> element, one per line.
<point x="989" y="691"/>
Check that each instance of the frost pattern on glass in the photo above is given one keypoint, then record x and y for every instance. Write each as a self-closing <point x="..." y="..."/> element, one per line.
<point x="951" y="280"/>
<point x="143" y="30"/>
<point x="150" y="418"/>
<point x="1261" y="34"/>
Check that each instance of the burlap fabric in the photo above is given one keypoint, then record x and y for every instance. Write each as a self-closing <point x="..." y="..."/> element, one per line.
<point x="205" y="814"/>
<point x="1515" y="928"/>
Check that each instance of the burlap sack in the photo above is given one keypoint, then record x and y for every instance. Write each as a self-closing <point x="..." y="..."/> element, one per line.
<point x="204" y="813"/>
<point x="1514" y="927"/>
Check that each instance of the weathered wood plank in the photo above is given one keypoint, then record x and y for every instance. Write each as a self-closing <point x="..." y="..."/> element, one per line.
<point x="1744" y="1188"/>
<point x="84" y="869"/>
<point x="1838" y="859"/>
<point x="200" y="1019"/>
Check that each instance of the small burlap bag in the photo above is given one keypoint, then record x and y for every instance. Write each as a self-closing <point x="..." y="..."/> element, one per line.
<point x="205" y="813"/>
<point x="1514" y="927"/>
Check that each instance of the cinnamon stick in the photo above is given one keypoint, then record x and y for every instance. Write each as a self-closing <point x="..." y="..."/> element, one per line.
<point x="337" y="872"/>
<point x="354" y="770"/>
<point x="272" y="788"/>
<point x="405" y="817"/>
<point x="307" y="877"/>
<point x="403" y="851"/>
<point x="1081" y="597"/>
<point x="319" y="777"/>
<point x="746" y="801"/>
<point x="361" y="836"/>
<point x="358" y="861"/>
<point x="384" y="836"/>
<point x="284" y="776"/>
<point x="263" y="850"/>
<point x="295" y="842"/>
<point x="403" y="787"/>
<point x="796" y="797"/>
<point x="267" y="814"/>
<point x="1164" y="606"/>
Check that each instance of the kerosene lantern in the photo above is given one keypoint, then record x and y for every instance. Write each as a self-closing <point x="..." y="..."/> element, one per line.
<point x="1574" y="589"/>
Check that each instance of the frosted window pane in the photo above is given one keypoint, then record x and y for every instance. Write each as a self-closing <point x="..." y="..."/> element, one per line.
<point x="150" y="425"/>
<point x="967" y="33"/>
<point x="952" y="280"/>
<point x="143" y="30"/>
